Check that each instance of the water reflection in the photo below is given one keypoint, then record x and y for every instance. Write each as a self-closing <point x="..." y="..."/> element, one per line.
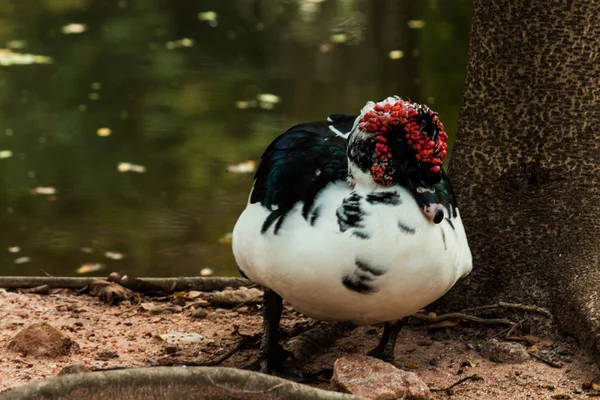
<point x="114" y="150"/>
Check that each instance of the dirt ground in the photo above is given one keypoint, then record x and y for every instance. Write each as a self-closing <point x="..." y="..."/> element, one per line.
<point x="127" y="335"/>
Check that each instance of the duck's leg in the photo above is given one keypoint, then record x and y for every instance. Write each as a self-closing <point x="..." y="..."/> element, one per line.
<point x="271" y="355"/>
<point x="385" y="349"/>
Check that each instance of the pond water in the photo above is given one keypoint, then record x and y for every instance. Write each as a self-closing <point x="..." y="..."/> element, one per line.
<point x="119" y="118"/>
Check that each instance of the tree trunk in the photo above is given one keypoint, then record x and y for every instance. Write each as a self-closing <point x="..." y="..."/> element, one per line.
<point x="525" y="166"/>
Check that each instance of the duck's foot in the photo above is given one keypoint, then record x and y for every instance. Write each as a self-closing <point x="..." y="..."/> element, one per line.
<point x="385" y="349"/>
<point x="272" y="355"/>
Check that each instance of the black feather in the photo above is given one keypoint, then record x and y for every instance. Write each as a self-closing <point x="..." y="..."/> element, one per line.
<point x="297" y="166"/>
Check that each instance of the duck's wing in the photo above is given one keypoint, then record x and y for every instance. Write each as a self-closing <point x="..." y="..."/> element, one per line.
<point x="298" y="165"/>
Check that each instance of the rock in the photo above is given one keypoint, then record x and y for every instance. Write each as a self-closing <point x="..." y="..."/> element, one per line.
<point x="160" y="308"/>
<point x="42" y="340"/>
<point x="375" y="379"/>
<point x="74" y="369"/>
<point x="503" y="352"/>
<point x="235" y="297"/>
<point x="171" y="348"/>
<point x="107" y="355"/>
<point x="199" y="313"/>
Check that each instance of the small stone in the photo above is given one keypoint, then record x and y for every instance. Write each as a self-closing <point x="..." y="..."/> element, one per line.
<point x="107" y="355"/>
<point x="42" y="340"/>
<point x="74" y="369"/>
<point x="504" y="352"/>
<point x="375" y="379"/>
<point x="171" y="348"/>
<point x="199" y="313"/>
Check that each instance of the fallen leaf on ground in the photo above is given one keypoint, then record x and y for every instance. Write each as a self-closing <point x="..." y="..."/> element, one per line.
<point x="450" y="323"/>
<point x="110" y="292"/>
<point x="183" y="337"/>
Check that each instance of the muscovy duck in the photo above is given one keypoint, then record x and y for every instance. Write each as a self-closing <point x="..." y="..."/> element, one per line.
<point x="353" y="219"/>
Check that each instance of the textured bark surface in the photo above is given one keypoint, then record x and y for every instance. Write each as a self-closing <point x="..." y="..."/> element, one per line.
<point x="525" y="165"/>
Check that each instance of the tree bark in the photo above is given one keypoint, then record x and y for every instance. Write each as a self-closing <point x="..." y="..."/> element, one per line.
<point x="525" y="166"/>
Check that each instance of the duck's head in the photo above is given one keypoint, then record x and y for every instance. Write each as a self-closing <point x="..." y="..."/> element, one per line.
<point x="396" y="142"/>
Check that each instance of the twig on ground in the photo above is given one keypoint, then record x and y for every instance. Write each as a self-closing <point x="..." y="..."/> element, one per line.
<point x="241" y="344"/>
<point x="517" y="306"/>
<point x="465" y="379"/>
<point x="246" y="302"/>
<point x="544" y="360"/>
<point x="45" y="273"/>
<point x="444" y="317"/>
<point x="3" y="316"/>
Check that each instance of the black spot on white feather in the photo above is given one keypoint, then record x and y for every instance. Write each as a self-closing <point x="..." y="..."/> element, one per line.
<point x="361" y="280"/>
<point x="357" y="285"/>
<point x="350" y="214"/>
<point x="315" y="214"/>
<point x="405" y="228"/>
<point x="366" y="267"/>
<point x="385" y="198"/>
<point x="444" y="237"/>
<point x="360" y="234"/>
<point x="451" y="224"/>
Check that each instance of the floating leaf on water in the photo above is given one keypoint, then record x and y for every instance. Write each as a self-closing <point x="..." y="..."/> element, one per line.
<point x="104" y="132"/>
<point x="90" y="267"/>
<point x="207" y="16"/>
<point x="338" y="38"/>
<point x="73" y="29"/>
<point x="128" y="167"/>
<point x="5" y="154"/>
<point x="243" y="104"/>
<point x="22" y="260"/>
<point x="416" y="24"/>
<point x="114" y="255"/>
<point x="175" y="44"/>
<point x="396" y="54"/>
<point x="325" y="48"/>
<point x="226" y="238"/>
<point x="206" y="271"/>
<point x="43" y="190"/>
<point x="14" y="249"/>
<point x="16" y="44"/>
<point x="182" y="337"/>
<point x="269" y="98"/>
<point x="243" y="167"/>
<point x="8" y="58"/>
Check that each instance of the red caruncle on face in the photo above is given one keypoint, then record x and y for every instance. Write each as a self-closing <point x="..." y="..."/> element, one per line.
<point x="430" y="149"/>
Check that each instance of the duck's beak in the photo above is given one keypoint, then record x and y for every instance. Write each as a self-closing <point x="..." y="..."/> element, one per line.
<point x="428" y="203"/>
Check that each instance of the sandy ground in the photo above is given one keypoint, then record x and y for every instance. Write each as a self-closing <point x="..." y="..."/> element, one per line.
<point x="126" y="335"/>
